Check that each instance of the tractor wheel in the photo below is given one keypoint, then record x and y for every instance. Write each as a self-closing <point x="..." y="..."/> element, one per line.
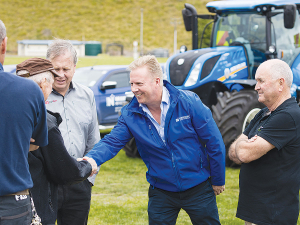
<point x="233" y="113"/>
<point x="131" y="149"/>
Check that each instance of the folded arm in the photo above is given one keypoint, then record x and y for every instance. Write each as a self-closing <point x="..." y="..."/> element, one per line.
<point x="245" y="150"/>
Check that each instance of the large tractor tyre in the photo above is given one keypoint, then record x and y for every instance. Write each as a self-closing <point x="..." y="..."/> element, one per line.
<point x="131" y="149"/>
<point x="232" y="114"/>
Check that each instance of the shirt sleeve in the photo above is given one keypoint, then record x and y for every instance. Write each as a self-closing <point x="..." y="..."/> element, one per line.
<point x="40" y="132"/>
<point x="93" y="130"/>
<point x="210" y="136"/>
<point x="279" y="130"/>
<point x="112" y="143"/>
<point x="93" y="135"/>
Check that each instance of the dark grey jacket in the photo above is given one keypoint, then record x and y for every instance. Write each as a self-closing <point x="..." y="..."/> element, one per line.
<point x="52" y="165"/>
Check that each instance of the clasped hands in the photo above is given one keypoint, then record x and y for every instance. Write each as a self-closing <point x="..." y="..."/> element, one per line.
<point x="92" y="162"/>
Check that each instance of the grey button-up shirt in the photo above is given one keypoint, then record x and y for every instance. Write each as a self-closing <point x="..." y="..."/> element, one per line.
<point x="79" y="127"/>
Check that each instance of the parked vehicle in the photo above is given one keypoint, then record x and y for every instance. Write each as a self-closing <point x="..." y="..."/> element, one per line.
<point x="109" y="84"/>
<point x="243" y="35"/>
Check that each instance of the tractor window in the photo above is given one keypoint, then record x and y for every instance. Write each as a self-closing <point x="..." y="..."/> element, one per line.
<point x="285" y="40"/>
<point x="245" y="28"/>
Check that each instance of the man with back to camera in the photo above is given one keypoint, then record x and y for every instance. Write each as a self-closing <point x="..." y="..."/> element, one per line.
<point x="22" y="117"/>
<point x="171" y="128"/>
<point x="269" y="151"/>
<point x="79" y="128"/>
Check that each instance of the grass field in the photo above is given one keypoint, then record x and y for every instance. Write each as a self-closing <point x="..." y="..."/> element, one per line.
<point x="120" y="194"/>
<point x="101" y="59"/>
<point x="106" y="21"/>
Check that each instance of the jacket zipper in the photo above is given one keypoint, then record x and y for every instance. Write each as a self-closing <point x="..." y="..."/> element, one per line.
<point x="171" y="156"/>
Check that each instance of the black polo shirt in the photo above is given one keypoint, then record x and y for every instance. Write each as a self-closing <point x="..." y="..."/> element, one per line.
<point x="269" y="186"/>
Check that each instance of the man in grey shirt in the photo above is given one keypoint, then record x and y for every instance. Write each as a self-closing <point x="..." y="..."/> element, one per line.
<point x="79" y="129"/>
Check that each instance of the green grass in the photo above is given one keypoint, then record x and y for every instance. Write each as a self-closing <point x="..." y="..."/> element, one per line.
<point x="102" y="59"/>
<point x="120" y="194"/>
<point x="106" y="21"/>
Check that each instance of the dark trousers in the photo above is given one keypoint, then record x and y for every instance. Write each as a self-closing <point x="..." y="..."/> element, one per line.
<point x="15" y="210"/>
<point x="74" y="203"/>
<point x="199" y="202"/>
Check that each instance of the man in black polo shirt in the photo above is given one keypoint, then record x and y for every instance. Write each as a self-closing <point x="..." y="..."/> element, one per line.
<point x="269" y="151"/>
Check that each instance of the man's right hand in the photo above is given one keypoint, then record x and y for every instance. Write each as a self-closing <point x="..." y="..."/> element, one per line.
<point x="92" y="162"/>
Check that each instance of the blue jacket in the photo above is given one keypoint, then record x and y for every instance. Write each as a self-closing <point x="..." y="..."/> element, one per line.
<point x="193" y="151"/>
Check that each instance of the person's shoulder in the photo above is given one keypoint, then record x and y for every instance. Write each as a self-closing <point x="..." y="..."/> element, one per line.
<point x="189" y="96"/>
<point x="290" y="107"/>
<point x="83" y="89"/>
<point x="20" y="84"/>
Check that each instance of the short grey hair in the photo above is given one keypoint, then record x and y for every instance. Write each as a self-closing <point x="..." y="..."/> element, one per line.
<point x="38" y="78"/>
<point x="280" y="69"/>
<point x="151" y="62"/>
<point x="2" y="31"/>
<point x="59" y="47"/>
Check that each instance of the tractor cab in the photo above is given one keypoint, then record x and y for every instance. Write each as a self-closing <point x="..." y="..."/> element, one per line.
<point x="265" y="31"/>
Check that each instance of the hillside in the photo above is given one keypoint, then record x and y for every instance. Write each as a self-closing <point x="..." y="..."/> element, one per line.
<point x="106" y="21"/>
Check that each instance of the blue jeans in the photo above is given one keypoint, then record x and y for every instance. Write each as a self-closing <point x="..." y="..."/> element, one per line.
<point x="199" y="202"/>
<point x="15" y="210"/>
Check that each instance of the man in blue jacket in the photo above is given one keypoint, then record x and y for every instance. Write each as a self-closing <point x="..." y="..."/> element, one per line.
<point x="179" y="142"/>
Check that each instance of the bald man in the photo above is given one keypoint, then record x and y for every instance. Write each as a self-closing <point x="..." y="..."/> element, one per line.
<point x="269" y="151"/>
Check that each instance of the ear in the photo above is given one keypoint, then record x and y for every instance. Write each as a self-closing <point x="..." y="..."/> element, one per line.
<point x="157" y="81"/>
<point x="43" y="83"/>
<point x="281" y="84"/>
<point x="4" y="46"/>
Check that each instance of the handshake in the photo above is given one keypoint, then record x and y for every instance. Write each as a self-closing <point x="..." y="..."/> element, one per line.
<point x="92" y="162"/>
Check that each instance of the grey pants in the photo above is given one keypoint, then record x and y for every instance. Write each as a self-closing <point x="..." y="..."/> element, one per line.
<point x="15" y="210"/>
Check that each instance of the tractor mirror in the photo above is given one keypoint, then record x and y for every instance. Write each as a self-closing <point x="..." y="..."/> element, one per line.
<point x="289" y="15"/>
<point x="187" y="13"/>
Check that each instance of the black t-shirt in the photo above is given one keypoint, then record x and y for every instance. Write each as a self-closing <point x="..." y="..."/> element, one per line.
<point x="269" y="186"/>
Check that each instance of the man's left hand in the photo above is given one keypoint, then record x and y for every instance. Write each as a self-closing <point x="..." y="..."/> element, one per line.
<point x="218" y="189"/>
<point x="33" y="147"/>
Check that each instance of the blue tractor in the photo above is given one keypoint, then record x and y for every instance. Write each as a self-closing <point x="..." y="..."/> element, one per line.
<point x="243" y="34"/>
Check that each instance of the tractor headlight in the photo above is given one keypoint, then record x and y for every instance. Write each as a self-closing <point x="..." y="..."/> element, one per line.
<point x="194" y="76"/>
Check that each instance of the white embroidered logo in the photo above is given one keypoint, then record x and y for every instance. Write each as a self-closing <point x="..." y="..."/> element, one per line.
<point x="182" y="118"/>
<point x="20" y="197"/>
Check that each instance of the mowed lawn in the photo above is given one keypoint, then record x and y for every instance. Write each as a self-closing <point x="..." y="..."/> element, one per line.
<point x="120" y="195"/>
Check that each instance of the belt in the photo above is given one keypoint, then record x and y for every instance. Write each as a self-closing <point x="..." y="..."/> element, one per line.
<point x="24" y="192"/>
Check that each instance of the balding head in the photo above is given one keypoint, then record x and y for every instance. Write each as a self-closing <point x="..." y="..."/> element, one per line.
<point x="274" y="80"/>
<point x="278" y="69"/>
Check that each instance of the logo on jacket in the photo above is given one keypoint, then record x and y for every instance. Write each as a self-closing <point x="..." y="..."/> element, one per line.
<point x="48" y="102"/>
<point x="182" y="118"/>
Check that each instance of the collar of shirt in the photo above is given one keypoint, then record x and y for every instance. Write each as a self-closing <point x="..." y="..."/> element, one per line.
<point x="164" y="106"/>
<point x="70" y="88"/>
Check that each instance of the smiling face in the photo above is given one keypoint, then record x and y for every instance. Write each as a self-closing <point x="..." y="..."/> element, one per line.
<point x="64" y="66"/>
<point x="268" y="88"/>
<point x="145" y="87"/>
